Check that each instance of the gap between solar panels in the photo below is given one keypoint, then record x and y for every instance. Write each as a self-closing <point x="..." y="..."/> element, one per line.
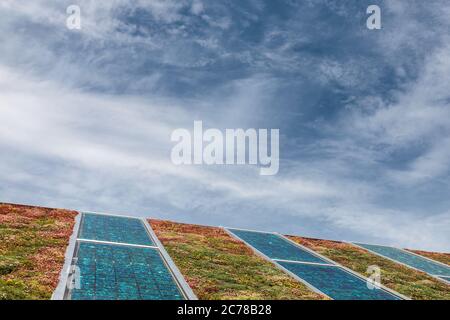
<point x="319" y="273"/>
<point x="436" y="269"/>
<point x="118" y="257"/>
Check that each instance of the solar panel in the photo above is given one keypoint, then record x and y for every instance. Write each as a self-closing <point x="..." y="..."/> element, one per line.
<point x="321" y="274"/>
<point x="336" y="282"/>
<point x="114" y="229"/>
<point x="116" y="272"/>
<point x="409" y="259"/>
<point x="116" y="258"/>
<point x="276" y="247"/>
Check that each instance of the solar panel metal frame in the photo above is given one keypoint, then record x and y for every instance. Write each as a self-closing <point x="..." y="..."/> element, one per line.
<point x="331" y="263"/>
<point x="60" y="291"/>
<point x="179" y="278"/>
<point x="398" y="262"/>
<point x="63" y="292"/>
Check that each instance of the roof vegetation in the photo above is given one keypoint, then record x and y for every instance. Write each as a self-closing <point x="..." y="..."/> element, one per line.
<point x="216" y="266"/>
<point x="33" y="242"/>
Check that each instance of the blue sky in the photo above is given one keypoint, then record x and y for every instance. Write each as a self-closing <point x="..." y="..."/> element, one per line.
<point x="364" y="115"/>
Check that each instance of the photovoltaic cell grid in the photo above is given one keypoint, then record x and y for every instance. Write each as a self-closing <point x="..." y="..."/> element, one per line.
<point x="114" y="229"/>
<point x="128" y="270"/>
<point x="276" y="247"/>
<point x="332" y="280"/>
<point x="113" y="272"/>
<point x="409" y="259"/>
<point x="336" y="282"/>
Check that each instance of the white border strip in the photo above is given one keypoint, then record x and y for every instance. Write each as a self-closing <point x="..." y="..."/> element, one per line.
<point x="398" y="262"/>
<point x="262" y="255"/>
<point x="110" y="215"/>
<point x="117" y="243"/>
<point x="185" y="288"/>
<point x="354" y="273"/>
<point x="60" y="290"/>
<point x="303" y="262"/>
<point x="251" y="230"/>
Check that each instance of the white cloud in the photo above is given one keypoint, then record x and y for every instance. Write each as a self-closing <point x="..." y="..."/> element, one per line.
<point x="197" y="7"/>
<point x="419" y="117"/>
<point x="68" y="145"/>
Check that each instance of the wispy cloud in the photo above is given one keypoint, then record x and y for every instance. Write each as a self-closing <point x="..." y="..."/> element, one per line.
<point x="364" y="118"/>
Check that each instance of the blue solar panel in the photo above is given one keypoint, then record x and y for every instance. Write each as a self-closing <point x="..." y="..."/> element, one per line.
<point x="276" y="247"/>
<point x="409" y="259"/>
<point x="336" y="282"/>
<point x="114" y="272"/>
<point x="114" y="229"/>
